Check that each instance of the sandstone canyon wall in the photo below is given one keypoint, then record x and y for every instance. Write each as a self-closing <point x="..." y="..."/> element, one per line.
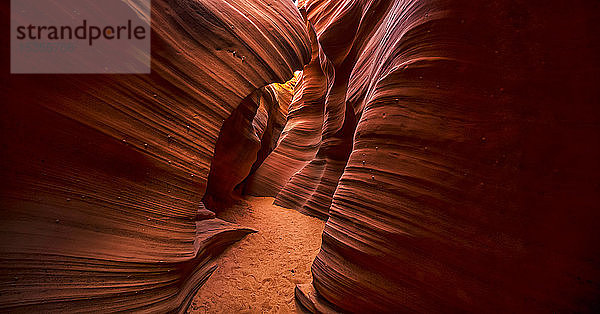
<point x="472" y="181"/>
<point x="451" y="146"/>
<point x="247" y="137"/>
<point x="102" y="176"/>
<point x="301" y="136"/>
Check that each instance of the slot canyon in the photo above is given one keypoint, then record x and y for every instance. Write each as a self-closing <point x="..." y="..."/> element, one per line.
<point x="323" y="156"/>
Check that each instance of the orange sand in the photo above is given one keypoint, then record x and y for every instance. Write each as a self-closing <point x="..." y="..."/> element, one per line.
<point x="259" y="273"/>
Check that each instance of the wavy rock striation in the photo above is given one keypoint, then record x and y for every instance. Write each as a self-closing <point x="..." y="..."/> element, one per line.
<point x="246" y="139"/>
<point x="301" y="136"/>
<point x="103" y="175"/>
<point x="472" y="183"/>
<point x="342" y="51"/>
<point x="451" y="145"/>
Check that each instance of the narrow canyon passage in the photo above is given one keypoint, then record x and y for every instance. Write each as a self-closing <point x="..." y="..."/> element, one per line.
<point x="259" y="273"/>
<point x="450" y="145"/>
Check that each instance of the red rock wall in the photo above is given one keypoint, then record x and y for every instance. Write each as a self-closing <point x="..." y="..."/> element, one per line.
<point x="311" y="188"/>
<point x="102" y="176"/>
<point x="246" y="139"/>
<point x="301" y="136"/>
<point x="271" y="118"/>
<point x="451" y="146"/>
<point x="235" y="152"/>
<point x="468" y="184"/>
<point x="472" y="184"/>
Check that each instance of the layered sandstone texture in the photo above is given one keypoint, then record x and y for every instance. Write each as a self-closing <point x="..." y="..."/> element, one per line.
<point x="301" y="135"/>
<point x="457" y="161"/>
<point x="103" y="175"/>
<point x="450" y="145"/>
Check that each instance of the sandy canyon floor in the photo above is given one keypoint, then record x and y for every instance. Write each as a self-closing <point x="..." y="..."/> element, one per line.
<point x="259" y="273"/>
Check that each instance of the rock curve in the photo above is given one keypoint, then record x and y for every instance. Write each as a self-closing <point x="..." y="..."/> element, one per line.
<point x="469" y="185"/>
<point x="103" y="175"/>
